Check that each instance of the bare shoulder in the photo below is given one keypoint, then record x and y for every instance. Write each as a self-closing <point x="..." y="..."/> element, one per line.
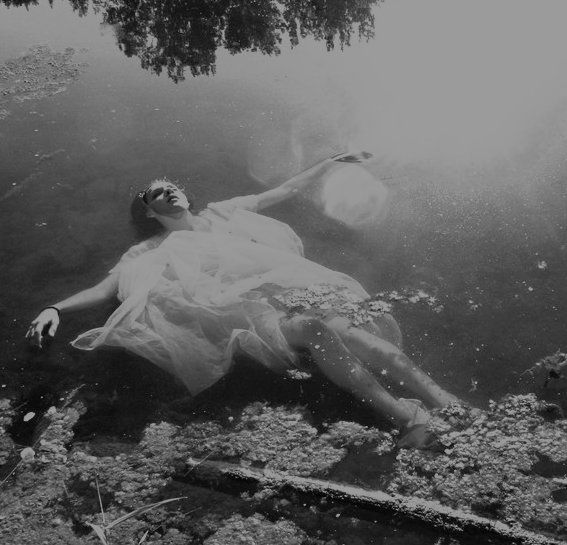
<point x="139" y="249"/>
<point x="227" y="207"/>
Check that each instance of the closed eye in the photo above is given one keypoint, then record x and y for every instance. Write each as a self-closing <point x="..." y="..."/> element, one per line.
<point x="155" y="194"/>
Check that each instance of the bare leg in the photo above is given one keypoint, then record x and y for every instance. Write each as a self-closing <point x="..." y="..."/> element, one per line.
<point x="382" y="357"/>
<point x="342" y="368"/>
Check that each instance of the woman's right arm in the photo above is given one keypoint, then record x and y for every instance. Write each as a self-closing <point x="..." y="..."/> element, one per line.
<point x="47" y="321"/>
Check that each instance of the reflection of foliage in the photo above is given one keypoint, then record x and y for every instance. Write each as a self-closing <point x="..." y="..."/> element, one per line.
<point x="168" y="34"/>
<point x="26" y="3"/>
<point x="173" y="35"/>
<point x="328" y="20"/>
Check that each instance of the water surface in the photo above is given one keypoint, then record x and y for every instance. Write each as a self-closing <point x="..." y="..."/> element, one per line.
<point x="467" y="194"/>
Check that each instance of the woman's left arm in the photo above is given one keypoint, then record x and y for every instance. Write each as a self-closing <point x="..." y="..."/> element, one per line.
<point x="304" y="178"/>
<point x="293" y="185"/>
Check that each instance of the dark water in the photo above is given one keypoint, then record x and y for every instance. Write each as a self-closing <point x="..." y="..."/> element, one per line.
<point x="486" y="235"/>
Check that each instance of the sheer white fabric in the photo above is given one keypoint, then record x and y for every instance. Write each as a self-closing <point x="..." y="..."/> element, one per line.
<point x="189" y="301"/>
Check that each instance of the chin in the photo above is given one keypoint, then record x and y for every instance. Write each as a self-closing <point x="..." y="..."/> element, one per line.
<point x="176" y="210"/>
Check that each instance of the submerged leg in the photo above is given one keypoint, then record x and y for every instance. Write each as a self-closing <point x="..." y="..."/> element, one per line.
<point x="382" y="357"/>
<point x="342" y="368"/>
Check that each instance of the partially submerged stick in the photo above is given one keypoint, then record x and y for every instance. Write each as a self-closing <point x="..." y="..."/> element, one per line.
<point x="429" y="513"/>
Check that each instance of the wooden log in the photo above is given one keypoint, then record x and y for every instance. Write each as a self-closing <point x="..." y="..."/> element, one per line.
<point x="432" y="514"/>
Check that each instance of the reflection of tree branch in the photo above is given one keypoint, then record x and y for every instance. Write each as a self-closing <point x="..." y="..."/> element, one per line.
<point x="81" y="6"/>
<point x="169" y="34"/>
<point x="172" y="35"/>
<point x="25" y="3"/>
<point x="329" y="20"/>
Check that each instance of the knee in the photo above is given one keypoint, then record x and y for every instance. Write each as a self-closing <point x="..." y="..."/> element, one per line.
<point x="314" y="328"/>
<point x="392" y="331"/>
<point x="306" y="330"/>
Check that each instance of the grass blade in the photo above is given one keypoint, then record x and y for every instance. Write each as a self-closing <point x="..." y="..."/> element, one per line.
<point x="100" y="502"/>
<point x="140" y="510"/>
<point x="100" y="532"/>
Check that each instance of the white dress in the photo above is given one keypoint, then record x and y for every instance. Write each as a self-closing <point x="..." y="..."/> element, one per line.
<point x="190" y="299"/>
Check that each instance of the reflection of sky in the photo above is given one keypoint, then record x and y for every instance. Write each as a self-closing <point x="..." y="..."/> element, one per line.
<point x="460" y="81"/>
<point x="468" y="91"/>
<point x="444" y="82"/>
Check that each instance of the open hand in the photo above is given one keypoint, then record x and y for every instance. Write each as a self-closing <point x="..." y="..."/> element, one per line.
<point x="45" y="325"/>
<point x="357" y="157"/>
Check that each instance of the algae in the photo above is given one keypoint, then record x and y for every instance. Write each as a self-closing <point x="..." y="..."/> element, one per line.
<point x="38" y="74"/>
<point x="340" y="300"/>
<point x="32" y="499"/>
<point x="7" y="447"/>
<point x="256" y="530"/>
<point x="281" y="438"/>
<point x="487" y="461"/>
<point x="553" y="368"/>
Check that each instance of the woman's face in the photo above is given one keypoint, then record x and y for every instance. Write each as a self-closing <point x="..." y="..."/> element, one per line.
<point x="165" y="198"/>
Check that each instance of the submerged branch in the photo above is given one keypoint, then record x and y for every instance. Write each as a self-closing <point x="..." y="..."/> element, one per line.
<point x="432" y="514"/>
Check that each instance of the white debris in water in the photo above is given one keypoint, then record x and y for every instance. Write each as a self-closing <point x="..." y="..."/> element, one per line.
<point x="27" y="454"/>
<point x="473" y="305"/>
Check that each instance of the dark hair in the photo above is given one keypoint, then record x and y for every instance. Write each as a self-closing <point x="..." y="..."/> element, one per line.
<point x="144" y="225"/>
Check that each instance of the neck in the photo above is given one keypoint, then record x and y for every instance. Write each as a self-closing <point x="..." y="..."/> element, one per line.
<point x="183" y="221"/>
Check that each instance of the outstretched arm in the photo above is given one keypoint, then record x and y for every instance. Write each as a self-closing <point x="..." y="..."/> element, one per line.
<point x="304" y="178"/>
<point x="47" y="321"/>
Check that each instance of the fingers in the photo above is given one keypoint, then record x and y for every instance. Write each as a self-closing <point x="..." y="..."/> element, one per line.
<point x="33" y="335"/>
<point x="53" y="328"/>
<point x="37" y="338"/>
<point x="39" y="329"/>
<point x="357" y="157"/>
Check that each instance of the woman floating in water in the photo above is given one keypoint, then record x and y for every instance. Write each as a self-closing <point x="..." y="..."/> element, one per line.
<point x="230" y="280"/>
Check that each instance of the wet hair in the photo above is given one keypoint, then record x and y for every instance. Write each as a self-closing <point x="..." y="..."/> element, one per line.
<point x="144" y="225"/>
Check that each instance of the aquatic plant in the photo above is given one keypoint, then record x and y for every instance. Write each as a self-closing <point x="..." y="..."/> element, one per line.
<point x="6" y="444"/>
<point x="351" y="434"/>
<point x="487" y="463"/>
<point x="103" y="530"/>
<point x="30" y="502"/>
<point x="356" y="309"/>
<point x="409" y="296"/>
<point x="256" y="530"/>
<point x="54" y="439"/>
<point x="336" y="299"/>
<point x="279" y="438"/>
<point x="130" y="479"/>
<point x="38" y="74"/>
<point x="553" y="367"/>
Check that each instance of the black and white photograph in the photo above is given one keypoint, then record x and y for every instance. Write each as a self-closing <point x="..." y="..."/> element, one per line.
<point x="283" y="272"/>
